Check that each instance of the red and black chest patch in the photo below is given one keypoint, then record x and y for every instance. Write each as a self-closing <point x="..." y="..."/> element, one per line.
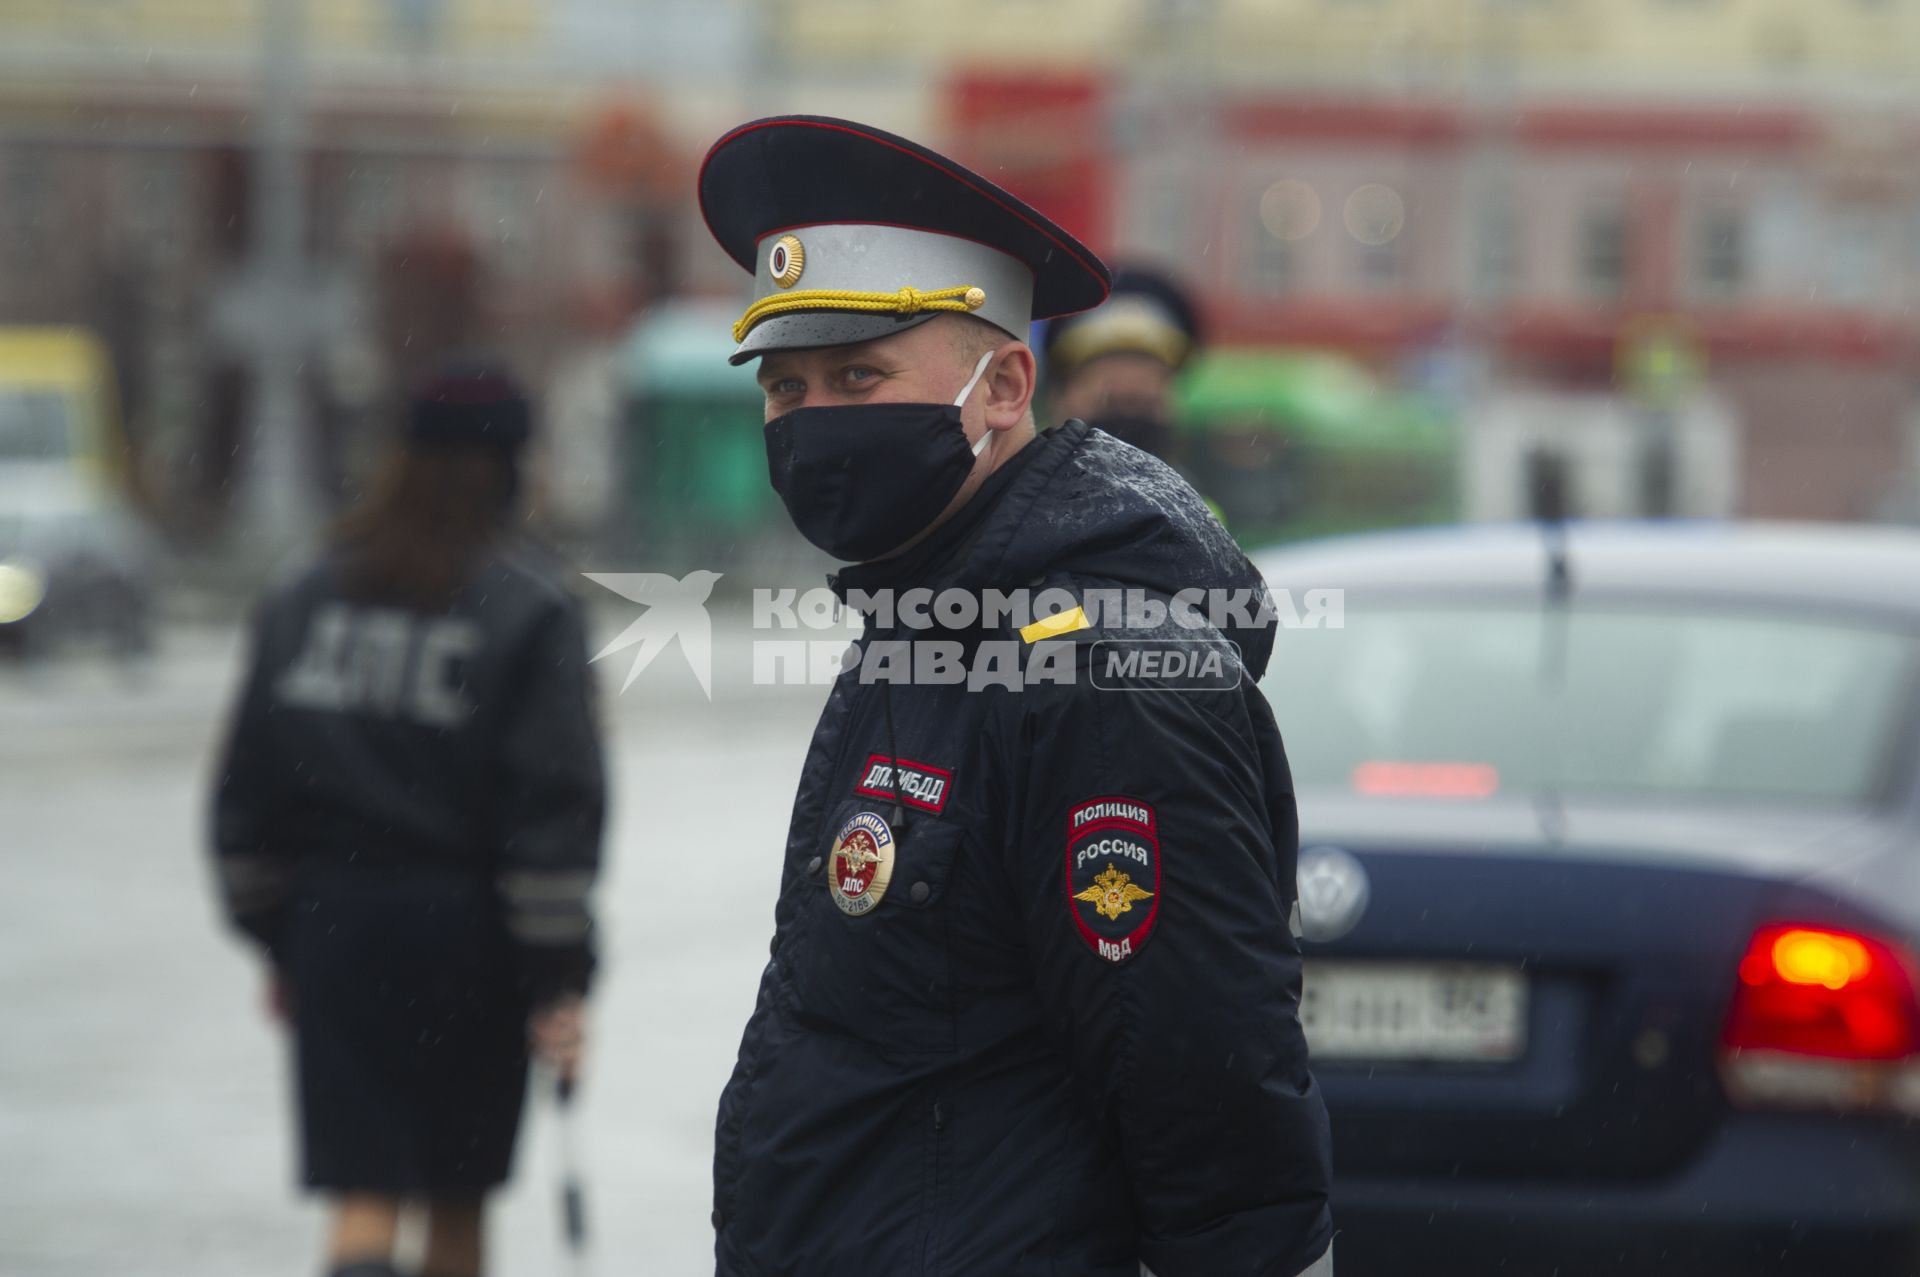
<point x="1113" y="874"/>
<point x="922" y="785"/>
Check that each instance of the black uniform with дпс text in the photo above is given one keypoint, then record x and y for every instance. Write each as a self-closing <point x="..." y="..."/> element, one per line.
<point x="408" y="822"/>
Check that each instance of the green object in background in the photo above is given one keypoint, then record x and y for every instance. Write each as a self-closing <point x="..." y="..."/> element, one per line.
<point x="1659" y="362"/>
<point x="695" y="463"/>
<point x="680" y="349"/>
<point x="1298" y="443"/>
<point x="1312" y="395"/>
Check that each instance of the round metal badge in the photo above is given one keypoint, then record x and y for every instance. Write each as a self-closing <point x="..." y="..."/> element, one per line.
<point x="786" y="260"/>
<point x="861" y="864"/>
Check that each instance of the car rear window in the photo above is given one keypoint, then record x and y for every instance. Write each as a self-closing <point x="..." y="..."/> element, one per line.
<point x="1467" y="702"/>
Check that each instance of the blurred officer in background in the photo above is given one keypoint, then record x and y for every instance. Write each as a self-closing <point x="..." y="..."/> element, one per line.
<point x="407" y="821"/>
<point x="1033" y="1002"/>
<point x="1115" y="366"/>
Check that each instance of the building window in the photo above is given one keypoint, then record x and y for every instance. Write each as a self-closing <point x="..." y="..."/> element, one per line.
<point x="1383" y="267"/>
<point x="1374" y="216"/>
<point x="1160" y="209"/>
<point x="1720" y="252"/>
<point x="1603" y="252"/>
<point x="29" y="192"/>
<point x="1496" y="250"/>
<point x="1273" y="265"/>
<point x="151" y="201"/>
<point x="498" y="201"/>
<point x="1858" y="253"/>
<point x="1287" y="212"/>
<point x="376" y="198"/>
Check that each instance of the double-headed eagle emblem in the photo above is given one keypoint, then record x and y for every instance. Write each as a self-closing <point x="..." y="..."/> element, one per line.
<point x="1112" y="893"/>
<point x="856" y="856"/>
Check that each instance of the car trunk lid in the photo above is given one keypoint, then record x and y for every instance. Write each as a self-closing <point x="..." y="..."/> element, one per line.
<point x="1623" y="933"/>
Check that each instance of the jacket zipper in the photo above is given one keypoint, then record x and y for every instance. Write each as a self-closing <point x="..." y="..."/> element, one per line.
<point x="931" y="1210"/>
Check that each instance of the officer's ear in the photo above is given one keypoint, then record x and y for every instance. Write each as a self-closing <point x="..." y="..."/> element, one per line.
<point x="1009" y="385"/>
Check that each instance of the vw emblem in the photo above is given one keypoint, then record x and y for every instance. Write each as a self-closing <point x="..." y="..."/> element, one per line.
<point x="1333" y="893"/>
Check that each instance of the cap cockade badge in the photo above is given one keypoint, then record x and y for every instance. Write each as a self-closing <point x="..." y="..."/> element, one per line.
<point x="786" y="260"/>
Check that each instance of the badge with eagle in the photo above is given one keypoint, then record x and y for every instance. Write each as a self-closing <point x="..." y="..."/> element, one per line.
<point x="1113" y="894"/>
<point x="1113" y="875"/>
<point x="861" y="864"/>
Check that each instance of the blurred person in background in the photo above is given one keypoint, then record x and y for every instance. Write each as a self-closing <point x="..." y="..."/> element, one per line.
<point x="407" y="821"/>
<point x="1115" y="366"/>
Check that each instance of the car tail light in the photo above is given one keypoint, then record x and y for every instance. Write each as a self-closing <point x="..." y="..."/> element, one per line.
<point x="1380" y="779"/>
<point x="1823" y="1017"/>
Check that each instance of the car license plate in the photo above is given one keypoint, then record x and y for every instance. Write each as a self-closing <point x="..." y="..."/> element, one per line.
<point x="1413" y="1011"/>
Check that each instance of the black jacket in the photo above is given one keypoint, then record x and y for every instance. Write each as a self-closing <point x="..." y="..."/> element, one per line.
<point x="391" y="740"/>
<point x="1064" y="1039"/>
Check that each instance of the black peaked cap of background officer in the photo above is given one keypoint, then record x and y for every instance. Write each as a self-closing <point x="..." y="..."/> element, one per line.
<point x="852" y="234"/>
<point x="1147" y="314"/>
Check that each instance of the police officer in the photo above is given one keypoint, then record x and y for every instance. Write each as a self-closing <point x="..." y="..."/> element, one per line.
<point x="1116" y="366"/>
<point x="407" y="821"/>
<point x="1033" y="1002"/>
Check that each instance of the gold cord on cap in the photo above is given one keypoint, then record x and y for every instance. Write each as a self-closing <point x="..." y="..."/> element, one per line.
<point x="907" y="301"/>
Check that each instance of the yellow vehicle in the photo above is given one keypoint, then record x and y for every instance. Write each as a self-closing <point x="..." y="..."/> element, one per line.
<point x="58" y="402"/>
<point x="72" y="561"/>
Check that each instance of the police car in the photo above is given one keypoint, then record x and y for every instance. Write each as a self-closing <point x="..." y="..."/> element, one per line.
<point x="1610" y="893"/>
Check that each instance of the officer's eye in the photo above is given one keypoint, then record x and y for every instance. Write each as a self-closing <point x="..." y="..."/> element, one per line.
<point x="784" y="387"/>
<point x="858" y="375"/>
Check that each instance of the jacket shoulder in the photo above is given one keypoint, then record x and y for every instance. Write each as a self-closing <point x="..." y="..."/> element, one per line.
<point x="1155" y="635"/>
<point x="300" y="576"/>
<point x="524" y="582"/>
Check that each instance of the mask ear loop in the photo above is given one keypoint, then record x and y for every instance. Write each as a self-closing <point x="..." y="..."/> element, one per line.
<point x="979" y="370"/>
<point x="886" y="685"/>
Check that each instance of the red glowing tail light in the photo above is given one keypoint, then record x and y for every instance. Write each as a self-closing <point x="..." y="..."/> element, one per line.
<point x="1382" y="779"/>
<point x="1820" y="991"/>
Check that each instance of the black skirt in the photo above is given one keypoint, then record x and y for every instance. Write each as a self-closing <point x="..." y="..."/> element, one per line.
<point x="411" y="1033"/>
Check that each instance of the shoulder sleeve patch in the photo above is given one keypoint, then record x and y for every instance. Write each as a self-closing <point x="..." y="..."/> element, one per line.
<point x="1067" y="622"/>
<point x="1113" y="874"/>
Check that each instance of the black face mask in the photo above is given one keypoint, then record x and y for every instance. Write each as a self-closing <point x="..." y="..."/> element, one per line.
<point x="1145" y="433"/>
<point x="860" y="480"/>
